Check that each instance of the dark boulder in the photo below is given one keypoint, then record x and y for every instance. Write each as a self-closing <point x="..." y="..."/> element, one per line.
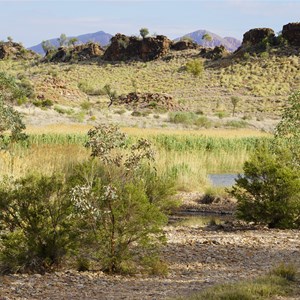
<point x="11" y="50"/>
<point x="124" y="48"/>
<point x="255" y="36"/>
<point x="78" y="53"/>
<point x="291" y="32"/>
<point x="184" y="45"/>
<point x="148" y="101"/>
<point x="215" y="53"/>
<point x="154" y="47"/>
<point x="117" y="50"/>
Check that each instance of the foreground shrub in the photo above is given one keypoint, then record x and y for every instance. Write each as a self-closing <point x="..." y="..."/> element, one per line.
<point x="269" y="191"/>
<point x="120" y="212"/>
<point x="36" y="232"/>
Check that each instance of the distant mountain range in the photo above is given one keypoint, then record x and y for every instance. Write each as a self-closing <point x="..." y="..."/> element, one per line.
<point x="103" y="39"/>
<point x="100" y="37"/>
<point x="230" y="43"/>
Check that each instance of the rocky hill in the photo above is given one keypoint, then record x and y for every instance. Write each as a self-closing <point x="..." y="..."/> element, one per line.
<point x="12" y="50"/>
<point x="100" y="37"/>
<point x="230" y="43"/>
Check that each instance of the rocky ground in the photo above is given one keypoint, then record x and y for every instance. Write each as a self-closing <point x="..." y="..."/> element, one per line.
<point x="41" y="117"/>
<point x="198" y="257"/>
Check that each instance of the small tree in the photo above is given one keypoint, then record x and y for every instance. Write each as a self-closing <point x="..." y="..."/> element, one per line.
<point x="144" y="32"/>
<point x="47" y="46"/>
<point x="10" y="39"/>
<point x="62" y="40"/>
<point x="11" y="126"/>
<point x="234" y="101"/>
<point x="269" y="191"/>
<point x="10" y="89"/>
<point x="72" y="41"/>
<point x="206" y="37"/>
<point x="289" y="126"/>
<point x="113" y="200"/>
<point x="112" y="94"/>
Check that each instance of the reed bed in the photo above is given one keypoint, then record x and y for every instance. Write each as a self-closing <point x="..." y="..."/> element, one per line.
<point x="186" y="158"/>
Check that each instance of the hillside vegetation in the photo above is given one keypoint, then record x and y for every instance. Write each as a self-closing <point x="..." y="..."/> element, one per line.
<point x="261" y="83"/>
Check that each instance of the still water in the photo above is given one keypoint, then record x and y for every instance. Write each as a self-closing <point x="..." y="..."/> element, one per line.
<point x="226" y="180"/>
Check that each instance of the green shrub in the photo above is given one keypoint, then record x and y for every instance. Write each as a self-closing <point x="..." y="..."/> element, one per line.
<point x="195" y="67"/>
<point x="43" y="103"/>
<point x="34" y="215"/>
<point x="79" y="116"/>
<point x="10" y="88"/>
<point x="114" y="197"/>
<point x="86" y="105"/>
<point x="89" y="89"/>
<point x="269" y="191"/>
<point x="82" y="264"/>
<point x="236" y="124"/>
<point x="182" y="117"/>
<point x="62" y="110"/>
<point x="221" y="114"/>
<point x="11" y="126"/>
<point x="203" y="121"/>
<point x="286" y="271"/>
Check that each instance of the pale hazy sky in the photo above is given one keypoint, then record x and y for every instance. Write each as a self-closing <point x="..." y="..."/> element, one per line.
<point x="31" y="21"/>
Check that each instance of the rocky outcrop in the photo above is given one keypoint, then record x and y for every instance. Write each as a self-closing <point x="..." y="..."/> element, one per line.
<point x="11" y="50"/>
<point x="184" y="45"/>
<point x="78" y="53"/>
<point x="124" y="48"/>
<point x="255" y="36"/>
<point x="148" y="100"/>
<point x="154" y="47"/>
<point x="291" y="32"/>
<point x="215" y="53"/>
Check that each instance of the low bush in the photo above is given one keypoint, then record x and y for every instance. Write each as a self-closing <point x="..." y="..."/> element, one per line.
<point x="195" y="67"/>
<point x="118" y="200"/>
<point x="236" y="124"/>
<point x="36" y="230"/>
<point x="43" y="103"/>
<point x="189" y="118"/>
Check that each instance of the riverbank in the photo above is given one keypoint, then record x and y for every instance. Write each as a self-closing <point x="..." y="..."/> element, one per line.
<point x="197" y="258"/>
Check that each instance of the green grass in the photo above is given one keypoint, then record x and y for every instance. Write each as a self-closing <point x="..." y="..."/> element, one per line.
<point x="261" y="288"/>
<point x="186" y="158"/>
